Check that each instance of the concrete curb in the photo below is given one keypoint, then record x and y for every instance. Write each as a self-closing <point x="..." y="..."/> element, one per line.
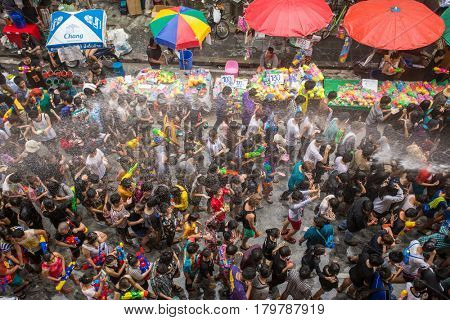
<point x="202" y="61"/>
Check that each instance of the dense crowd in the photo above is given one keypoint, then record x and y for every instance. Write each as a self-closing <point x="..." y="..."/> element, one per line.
<point x="116" y="196"/>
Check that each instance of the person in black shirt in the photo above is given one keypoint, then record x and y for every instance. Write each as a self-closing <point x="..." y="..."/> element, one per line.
<point x="137" y="223"/>
<point x="280" y="266"/>
<point x="312" y="257"/>
<point x="205" y="277"/>
<point x="56" y="214"/>
<point x="9" y="216"/>
<point x="361" y="274"/>
<point x="154" y="54"/>
<point x="29" y="215"/>
<point x="32" y="47"/>
<point x="270" y="244"/>
<point x="32" y="71"/>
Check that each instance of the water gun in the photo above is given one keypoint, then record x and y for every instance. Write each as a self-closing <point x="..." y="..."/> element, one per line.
<point x="161" y="134"/>
<point x="25" y="69"/>
<point x="130" y="172"/>
<point x="441" y="70"/>
<point x="134" y="295"/>
<point x="224" y="171"/>
<point x="254" y="154"/>
<point x="72" y="240"/>
<point x="7" y="114"/>
<point x="396" y="70"/>
<point x="64" y="278"/>
<point x="120" y="253"/>
<point x="43" y="244"/>
<point x="144" y="264"/>
<point x="133" y="143"/>
<point x="267" y="167"/>
<point x="73" y="201"/>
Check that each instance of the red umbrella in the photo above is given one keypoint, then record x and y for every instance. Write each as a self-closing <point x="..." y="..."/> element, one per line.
<point x="393" y="24"/>
<point x="288" y="18"/>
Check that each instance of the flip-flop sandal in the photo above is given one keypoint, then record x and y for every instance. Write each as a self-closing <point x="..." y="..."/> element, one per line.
<point x="285" y="232"/>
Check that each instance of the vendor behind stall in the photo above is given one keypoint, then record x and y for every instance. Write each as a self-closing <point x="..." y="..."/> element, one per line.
<point x="268" y="60"/>
<point x="389" y="67"/>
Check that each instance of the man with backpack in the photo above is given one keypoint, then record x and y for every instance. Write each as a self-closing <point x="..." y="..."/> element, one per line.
<point x="414" y="258"/>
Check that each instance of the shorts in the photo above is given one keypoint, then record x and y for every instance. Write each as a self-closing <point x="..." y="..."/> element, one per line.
<point x="296" y="225"/>
<point x="249" y="233"/>
<point x="122" y="231"/>
<point x="267" y="187"/>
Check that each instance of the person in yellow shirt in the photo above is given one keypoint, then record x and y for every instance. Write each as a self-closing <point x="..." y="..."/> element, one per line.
<point x="180" y="198"/>
<point x="304" y="91"/>
<point x="190" y="227"/>
<point x="126" y="189"/>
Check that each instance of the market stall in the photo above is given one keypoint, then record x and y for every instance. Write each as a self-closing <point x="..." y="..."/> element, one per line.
<point x="362" y="94"/>
<point x="275" y="84"/>
<point x="193" y="84"/>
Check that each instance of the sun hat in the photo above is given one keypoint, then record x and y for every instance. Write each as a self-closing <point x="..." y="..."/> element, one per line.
<point x="32" y="146"/>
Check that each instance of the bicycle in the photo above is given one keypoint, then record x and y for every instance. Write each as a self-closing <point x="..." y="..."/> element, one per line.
<point x="342" y="7"/>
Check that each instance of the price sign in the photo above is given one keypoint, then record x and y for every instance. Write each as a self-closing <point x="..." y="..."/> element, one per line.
<point x="370" y="84"/>
<point x="275" y="78"/>
<point x="241" y="83"/>
<point x="302" y="43"/>
<point x="227" y="80"/>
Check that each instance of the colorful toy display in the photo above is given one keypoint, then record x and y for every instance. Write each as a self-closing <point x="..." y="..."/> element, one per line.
<point x="151" y="83"/>
<point x="402" y="93"/>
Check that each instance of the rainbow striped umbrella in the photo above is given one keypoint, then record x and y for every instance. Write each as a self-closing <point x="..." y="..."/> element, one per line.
<point x="180" y="28"/>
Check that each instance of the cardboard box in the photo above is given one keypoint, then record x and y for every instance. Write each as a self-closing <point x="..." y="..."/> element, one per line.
<point x="134" y="7"/>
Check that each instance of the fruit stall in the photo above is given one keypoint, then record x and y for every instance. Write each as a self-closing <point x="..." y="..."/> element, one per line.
<point x="195" y="83"/>
<point x="363" y="94"/>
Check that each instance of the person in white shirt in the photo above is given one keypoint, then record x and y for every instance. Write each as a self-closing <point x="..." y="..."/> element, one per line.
<point x="297" y="203"/>
<point x="96" y="162"/>
<point x="293" y="135"/>
<point x="313" y="154"/>
<point x="341" y="163"/>
<point x="214" y="146"/>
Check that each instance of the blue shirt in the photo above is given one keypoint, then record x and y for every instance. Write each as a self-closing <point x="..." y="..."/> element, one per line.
<point x="314" y="236"/>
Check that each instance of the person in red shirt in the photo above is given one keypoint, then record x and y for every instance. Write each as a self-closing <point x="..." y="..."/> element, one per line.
<point x="218" y="206"/>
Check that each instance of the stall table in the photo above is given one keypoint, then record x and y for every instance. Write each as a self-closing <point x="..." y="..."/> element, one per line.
<point x="14" y="34"/>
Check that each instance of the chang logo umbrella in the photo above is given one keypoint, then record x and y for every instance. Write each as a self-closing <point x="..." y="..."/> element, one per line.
<point x="85" y="29"/>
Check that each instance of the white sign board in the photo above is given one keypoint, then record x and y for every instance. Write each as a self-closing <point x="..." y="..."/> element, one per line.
<point x="303" y="43"/>
<point x="240" y="83"/>
<point x="227" y="80"/>
<point x="370" y="84"/>
<point x="275" y="78"/>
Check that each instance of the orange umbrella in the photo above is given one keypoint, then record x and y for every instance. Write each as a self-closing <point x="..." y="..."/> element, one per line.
<point x="393" y="24"/>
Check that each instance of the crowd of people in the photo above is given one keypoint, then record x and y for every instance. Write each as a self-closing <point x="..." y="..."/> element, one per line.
<point x="119" y="197"/>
